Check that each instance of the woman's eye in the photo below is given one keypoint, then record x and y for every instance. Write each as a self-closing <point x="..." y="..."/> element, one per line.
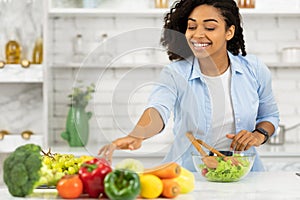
<point x="191" y="27"/>
<point x="209" y="29"/>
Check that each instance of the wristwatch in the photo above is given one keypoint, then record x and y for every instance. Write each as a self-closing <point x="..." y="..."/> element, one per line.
<point x="264" y="132"/>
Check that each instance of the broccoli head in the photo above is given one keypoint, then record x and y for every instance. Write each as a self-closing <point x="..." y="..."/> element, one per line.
<point x="21" y="170"/>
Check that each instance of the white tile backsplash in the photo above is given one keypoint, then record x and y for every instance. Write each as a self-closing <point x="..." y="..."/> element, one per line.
<point x="277" y="34"/>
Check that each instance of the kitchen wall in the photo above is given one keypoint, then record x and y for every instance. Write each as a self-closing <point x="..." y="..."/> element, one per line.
<point x="265" y="35"/>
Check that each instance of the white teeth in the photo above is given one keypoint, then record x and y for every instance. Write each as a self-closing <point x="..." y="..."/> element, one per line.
<point x="200" y="44"/>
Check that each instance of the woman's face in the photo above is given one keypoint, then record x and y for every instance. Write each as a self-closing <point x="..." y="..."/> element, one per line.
<point x="206" y="34"/>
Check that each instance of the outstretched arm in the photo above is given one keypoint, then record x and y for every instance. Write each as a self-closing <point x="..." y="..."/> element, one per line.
<point x="148" y="125"/>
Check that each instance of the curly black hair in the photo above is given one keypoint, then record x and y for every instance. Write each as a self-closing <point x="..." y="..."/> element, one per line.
<point x="175" y="25"/>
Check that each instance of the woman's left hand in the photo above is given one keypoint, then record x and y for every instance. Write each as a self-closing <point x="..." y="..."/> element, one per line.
<point x="244" y="140"/>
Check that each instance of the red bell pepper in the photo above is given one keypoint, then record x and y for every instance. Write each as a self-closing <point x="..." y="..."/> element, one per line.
<point x="92" y="174"/>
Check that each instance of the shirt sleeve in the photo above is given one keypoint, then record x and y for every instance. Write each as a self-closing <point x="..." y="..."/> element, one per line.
<point x="267" y="110"/>
<point x="164" y="94"/>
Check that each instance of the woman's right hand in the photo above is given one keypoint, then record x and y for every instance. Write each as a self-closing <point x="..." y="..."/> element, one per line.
<point x="127" y="142"/>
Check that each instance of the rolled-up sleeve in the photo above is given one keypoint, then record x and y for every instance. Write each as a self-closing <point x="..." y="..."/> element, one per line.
<point x="267" y="110"/>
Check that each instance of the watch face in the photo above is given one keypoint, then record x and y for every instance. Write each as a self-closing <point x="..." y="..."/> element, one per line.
<point x="263" y="131"/>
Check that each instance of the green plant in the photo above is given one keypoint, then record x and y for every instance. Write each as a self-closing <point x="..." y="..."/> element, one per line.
<point x="81" y="97"/>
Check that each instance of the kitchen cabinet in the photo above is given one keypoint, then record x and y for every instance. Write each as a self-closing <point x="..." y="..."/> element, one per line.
<point x="23" y="99"/>
<point x="22" y="105"/>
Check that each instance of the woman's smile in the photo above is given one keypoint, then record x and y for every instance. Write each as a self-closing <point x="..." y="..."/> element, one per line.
<point x="199" y="46"/>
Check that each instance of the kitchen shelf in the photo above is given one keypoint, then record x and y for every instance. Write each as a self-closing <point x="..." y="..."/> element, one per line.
<point x="71" y="12"/>
<point x="283" y="65"/>
<point x="10" y="142"/>
<point x="257" y="12"/>
<point x="118" y="66"/>
<point x="154" y="12"/>
<point x="15" y="73"/>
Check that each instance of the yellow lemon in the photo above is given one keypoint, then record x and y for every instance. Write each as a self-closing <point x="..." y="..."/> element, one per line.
<point x="151" y="186"/>
<point x="85" y="158"/>
<point x="186" y="180"/>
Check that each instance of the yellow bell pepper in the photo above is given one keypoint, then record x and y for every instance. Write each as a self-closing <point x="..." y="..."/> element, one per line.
<point x="186" y="180"/>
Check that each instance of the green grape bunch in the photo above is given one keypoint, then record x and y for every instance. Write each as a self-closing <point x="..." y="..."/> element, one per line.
<point x="55" y="166"/>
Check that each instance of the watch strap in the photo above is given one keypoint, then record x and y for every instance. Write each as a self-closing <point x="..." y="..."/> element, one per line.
<point x="264" y="132"/>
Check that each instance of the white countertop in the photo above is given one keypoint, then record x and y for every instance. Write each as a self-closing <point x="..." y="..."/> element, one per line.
<point x="257" y="185"/>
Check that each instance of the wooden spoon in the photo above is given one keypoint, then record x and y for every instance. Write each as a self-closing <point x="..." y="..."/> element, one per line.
<point x="234" y="161"/>
<point x="209" y="161"/>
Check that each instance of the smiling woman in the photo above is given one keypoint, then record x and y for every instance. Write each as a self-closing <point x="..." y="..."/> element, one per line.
<point x="207" y="38"/>
<point x="202" y="86"/>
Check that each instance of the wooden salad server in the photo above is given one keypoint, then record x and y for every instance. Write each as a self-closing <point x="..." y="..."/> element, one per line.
<point x="209" y="161"/>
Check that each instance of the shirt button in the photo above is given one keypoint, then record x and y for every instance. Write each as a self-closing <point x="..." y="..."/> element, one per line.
<point x="238" y="120"/>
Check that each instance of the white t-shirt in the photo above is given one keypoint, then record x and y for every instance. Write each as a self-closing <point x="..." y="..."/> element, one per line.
<point x="222" y="110"/>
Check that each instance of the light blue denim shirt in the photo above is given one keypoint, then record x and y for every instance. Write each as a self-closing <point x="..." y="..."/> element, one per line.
<point x="182" y="90"/>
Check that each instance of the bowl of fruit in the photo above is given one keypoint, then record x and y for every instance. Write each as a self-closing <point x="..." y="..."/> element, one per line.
<point x="233" y="167"/>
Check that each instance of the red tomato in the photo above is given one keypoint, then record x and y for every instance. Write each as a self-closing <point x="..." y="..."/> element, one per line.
<point x="69" y="187"/>
<point x="204" y="171"/>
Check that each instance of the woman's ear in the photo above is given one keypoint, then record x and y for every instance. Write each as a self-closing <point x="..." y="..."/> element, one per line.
<point x="230" y="32"/>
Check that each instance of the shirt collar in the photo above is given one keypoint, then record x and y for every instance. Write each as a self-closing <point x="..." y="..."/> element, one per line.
<point x="235" y="62"/>
<point x="195" y="69"/>
<point x="236" y="66"/>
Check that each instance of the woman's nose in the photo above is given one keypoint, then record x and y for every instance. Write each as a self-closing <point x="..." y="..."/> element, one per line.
<point x="199" y="33"/>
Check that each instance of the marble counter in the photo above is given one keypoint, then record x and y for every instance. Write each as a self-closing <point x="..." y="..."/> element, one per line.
<point x="257" y="185"/>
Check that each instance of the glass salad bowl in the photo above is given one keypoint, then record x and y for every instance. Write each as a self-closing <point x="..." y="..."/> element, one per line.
<point x="231" y="168"/>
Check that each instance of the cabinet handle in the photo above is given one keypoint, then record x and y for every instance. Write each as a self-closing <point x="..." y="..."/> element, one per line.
<point x="26" y="134"/>
<point x="3" y="133"/>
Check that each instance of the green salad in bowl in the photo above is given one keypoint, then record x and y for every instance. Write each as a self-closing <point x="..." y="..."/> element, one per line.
<point x="228" y="169"/>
